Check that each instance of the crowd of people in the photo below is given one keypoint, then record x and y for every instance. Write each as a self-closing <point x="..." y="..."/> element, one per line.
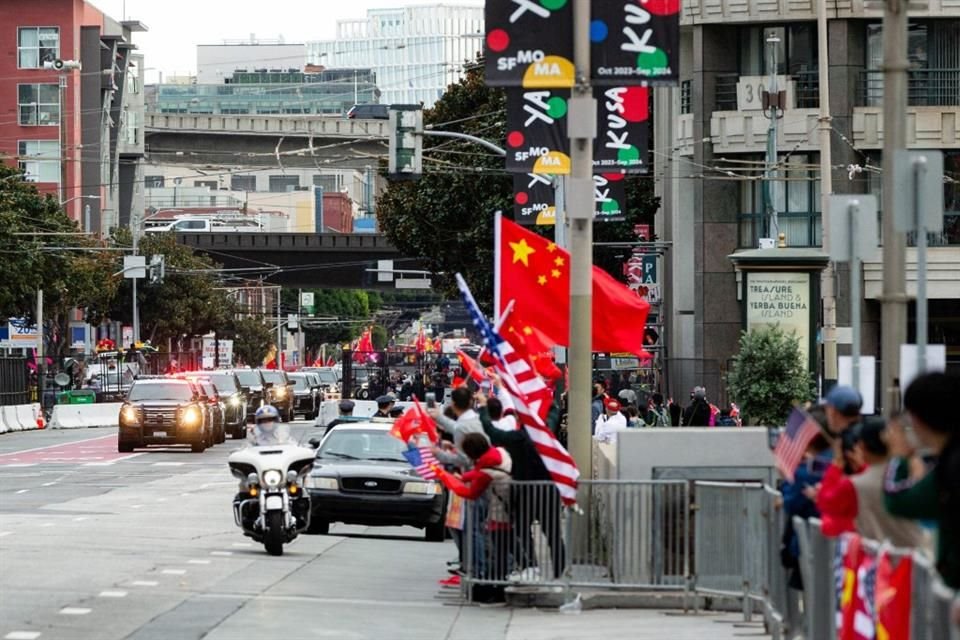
<point x="895" y="480"/>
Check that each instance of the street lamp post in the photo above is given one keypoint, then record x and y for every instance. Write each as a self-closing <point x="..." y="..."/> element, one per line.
<point x="86" y="209"/>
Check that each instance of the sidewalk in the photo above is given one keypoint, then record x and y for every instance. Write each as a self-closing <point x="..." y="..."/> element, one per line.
<point x="637" y="624"/>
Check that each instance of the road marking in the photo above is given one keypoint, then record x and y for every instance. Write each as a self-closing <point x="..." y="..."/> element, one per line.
<point x="161" y="499"/>
<point x="113" y="594"/>
<point x="51" y="446"/>
<point x="174" y="572"/>
<point x="221" y="553"/>
<point x="20" y="465"/>
<point x="23" y="491"/>
<point x="144" y="583"/>
<point x="22" y="635"/>
<point x="168" y="464"/>
<point x="80" y="518"/>
<point x="194" y="561"/>
<point x="98" y="464"/>
<point x="242" y="545"/>
<point x="47" y="524"/>
<point x="4" y="534"/>
<point x="74" y="611"/>
<point x="136" y="506"/>
<point x="48" y="484"/>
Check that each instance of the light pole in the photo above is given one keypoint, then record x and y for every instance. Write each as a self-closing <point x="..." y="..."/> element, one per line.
<point x="773" y="225"/>
<point x="86" y="209"/>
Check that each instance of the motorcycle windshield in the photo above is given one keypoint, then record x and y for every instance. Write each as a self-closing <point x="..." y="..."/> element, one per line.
<point x="271" y="434"/>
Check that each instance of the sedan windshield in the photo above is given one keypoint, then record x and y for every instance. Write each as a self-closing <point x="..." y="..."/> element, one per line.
<point x="328" y="377"/>
<point x="249" y="378"/>
<point x="226" y="385"/>
<point x="170" y="391"/>
<point x="299" y="383"/>
<point x="355" y="444"/>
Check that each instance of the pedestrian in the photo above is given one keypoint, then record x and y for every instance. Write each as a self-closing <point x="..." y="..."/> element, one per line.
<point x="842" y="406"/>
<point x="489" y="480"/>
<point x="697" y="414"/>
<point x="912" y="491"/>
<point x="607" y="425"/>
<point x="495" y="411"/>
<point x="657" y="414"/>
<point x="598" y="401"/>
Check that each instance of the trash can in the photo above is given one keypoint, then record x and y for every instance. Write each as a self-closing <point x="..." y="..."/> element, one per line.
<point x="79" y="396"/>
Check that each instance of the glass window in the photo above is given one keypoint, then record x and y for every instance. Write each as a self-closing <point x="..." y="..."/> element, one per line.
<point x="211" y="184"/>
<point x="796" y="51"/>
<point x="281" y="184"/>
<point x="326" y="182"/>
<point x="243" y="183"/>
<point x="40" y="160"/>
<point x="795" y="196"/>
<point x="39" y="104"/>
<point x="36" y="45"/>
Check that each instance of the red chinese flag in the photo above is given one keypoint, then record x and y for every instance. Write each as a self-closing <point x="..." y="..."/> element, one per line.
<point x="414" y="421"/>
<point x="893" y="598"/>
<point x="849" y="601"/>
<point x="534" y="340"/>
<point x="530" y="347"/>
<point x="534" y="273"/>
<point x="473" y="368"/>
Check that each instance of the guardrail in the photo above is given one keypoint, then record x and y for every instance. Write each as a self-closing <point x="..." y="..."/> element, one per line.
<point x="925" y="88"/>
<point x="269" y="125"/>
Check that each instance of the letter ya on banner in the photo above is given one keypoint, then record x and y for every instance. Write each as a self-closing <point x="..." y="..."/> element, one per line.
<point x="537" y="139"/>
<point x="529" y="43"/>
<point x="635" y="43"/>
<point x="623" y="115"/>
<point x="533" y="199"/>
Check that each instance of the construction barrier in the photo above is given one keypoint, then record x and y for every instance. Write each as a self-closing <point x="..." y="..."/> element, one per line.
<point x="330" y="410"/>
<point x="80" y="416"/>
<point x="19" y="417"/>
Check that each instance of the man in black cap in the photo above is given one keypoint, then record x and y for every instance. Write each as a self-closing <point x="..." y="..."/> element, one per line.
<point x="346" y="411"/>
<point x="384" y="404"/>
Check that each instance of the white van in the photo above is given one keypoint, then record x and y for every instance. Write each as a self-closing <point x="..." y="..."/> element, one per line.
<point x="202" y="225"/>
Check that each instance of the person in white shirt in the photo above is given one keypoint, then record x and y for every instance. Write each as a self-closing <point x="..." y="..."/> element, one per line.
<point x="500" y="421"/>
<point x="607" y="425"/>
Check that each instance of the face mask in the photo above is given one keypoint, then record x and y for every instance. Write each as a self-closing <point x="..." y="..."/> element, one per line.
<point x="267" y="427"/>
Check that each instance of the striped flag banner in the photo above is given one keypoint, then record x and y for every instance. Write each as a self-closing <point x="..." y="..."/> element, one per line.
<point x="527" y="392"/>
<point x="793" y="442"/>
<point x="423" y="461"/>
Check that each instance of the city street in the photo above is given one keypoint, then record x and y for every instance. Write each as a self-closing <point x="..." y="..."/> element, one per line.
<point x="99" y="545"/>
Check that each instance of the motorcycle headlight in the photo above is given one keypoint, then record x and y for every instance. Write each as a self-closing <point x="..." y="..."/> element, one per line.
<point x="313" y="482"/>
<point x="128" y="415"/>
<point x="272" y="478"/>
<point x="422" y="488"/>
<point x="191" y="416"/>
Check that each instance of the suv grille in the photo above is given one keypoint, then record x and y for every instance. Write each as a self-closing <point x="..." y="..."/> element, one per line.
<point x="370" y="485"/>
<point x="159" y="417"/>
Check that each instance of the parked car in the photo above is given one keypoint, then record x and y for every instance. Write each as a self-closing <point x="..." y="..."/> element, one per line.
<point x="163" y="412"/>
<point x="279" y="392"/>
<point x="234" y="402"/>
<point x="369" y="112"/>
<point x="304" y="395"/>
<point x="361" y="477"/>
<point x="251" y="381"/>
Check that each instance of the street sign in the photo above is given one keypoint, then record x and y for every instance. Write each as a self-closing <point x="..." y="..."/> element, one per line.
<point x="635" y="42"/>
<point x="534" y="199"/>
<point x="134" y="266"/>
<point x="405" y="158"/>
<point x="306" y="299"/>
<point x="919" y="193"/>
<point x="863" y="209"/>
<point x="537" y="139"/>
<point x="529" y="43"/>
<point x="623" y="125"/>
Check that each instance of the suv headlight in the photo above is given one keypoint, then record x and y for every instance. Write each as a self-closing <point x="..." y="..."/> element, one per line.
<point x="235" y="401"/>
<point x="128" y="415"/>
<point x="272" y="478"/>
<point x="314" y="482"/>
<point x="191" y="416"/>
<point x="279" y="392"/>
<point x="422" y="488"/>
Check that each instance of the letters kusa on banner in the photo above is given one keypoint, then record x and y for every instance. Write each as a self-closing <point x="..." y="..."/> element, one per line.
<point x="622" y="129"/>
<point x="537" y="139"/>
<point x="609" y="196"/>
<point x="533" y="199"/>
<point x="635" y="42"/>
<point x="529" y="43"/>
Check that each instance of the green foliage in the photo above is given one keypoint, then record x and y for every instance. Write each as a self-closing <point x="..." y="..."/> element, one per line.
<point x="352" y="308"/>
<point x="769" y="375"/>
<point x="73" y="270"/>
<point x="251" y="340"/>
<point x="379" y="337"/>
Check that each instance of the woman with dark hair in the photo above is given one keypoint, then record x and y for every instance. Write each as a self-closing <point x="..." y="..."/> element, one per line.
<point x="911" y="491"/>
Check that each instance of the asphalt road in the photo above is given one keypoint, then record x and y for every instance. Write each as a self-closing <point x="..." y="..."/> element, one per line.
<point x="99" y="545"/>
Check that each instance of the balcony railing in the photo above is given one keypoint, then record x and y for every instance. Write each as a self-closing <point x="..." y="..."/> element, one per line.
<point x="726" y="92"/>
<point x="925" y="88"/>
<point x="806" y="91"/>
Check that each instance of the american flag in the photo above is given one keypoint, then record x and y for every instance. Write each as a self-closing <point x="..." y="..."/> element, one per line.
<point x="423" y="461"/>
<point x="793" y="442"/>
<point x="527" y="392"/>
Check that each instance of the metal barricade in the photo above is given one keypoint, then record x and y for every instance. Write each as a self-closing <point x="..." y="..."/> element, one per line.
<point x="623" y="534"/>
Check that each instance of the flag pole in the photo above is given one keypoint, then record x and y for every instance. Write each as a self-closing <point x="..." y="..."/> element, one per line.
<point x="497" y="217"/>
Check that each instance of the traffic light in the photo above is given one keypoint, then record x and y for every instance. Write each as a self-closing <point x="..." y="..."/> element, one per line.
<point x="405" y="160"/>
<point x="157" y="269"/>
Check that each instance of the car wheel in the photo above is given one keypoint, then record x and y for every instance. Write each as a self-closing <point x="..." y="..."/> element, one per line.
<point x="124" y="447"/>
<point x="291" y="416"/>
<point x="223" y="435"/>
<point x="199" y="446"/>
<point x="436" y="532"/>
<point x="319" y="526"/>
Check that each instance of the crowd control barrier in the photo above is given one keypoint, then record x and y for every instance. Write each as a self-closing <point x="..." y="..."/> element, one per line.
<point x="20" y="417"/>
<point x="330" y="410"/>
<point x="81" y="416"/>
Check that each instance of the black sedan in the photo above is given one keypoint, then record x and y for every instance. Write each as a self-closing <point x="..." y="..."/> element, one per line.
<point x="361" y="477"/>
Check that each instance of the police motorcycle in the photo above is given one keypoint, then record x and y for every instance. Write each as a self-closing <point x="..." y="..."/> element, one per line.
<point x="271" y="506"/>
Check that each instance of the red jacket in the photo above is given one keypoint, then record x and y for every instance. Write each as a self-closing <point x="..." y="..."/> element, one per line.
<point x="837" y="502"/>
<point x="474" y="482"/>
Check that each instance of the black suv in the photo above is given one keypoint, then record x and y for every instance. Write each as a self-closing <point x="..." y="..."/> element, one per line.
<point x="279" y="392"/>
<point x="234" y="401"/>
<point x="164" y="411"/>
<point x="251" y="382"/>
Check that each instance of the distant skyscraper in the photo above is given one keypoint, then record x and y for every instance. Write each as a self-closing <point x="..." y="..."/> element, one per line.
<point x="414" y="51"/>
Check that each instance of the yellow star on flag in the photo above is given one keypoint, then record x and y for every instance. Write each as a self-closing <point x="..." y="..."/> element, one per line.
<point x="522" y="251"/>
<point x="555" y="273"/>
<point x="527" y="331"/>
<point x="542" y="280"/>
<point x="550" y="247"/>
<point x="558" y="261"/>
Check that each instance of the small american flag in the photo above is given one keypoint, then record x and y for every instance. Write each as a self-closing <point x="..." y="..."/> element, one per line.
<point x="423" y="461"/>
<point x="793" y="442"/>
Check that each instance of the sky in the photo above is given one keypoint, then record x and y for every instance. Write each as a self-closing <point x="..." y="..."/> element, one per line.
<point x="177" y="26"/>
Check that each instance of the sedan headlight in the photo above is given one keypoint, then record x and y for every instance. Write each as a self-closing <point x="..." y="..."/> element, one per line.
<point x="423" y="488"/>
<point x="272" y="478"/>
<point x="314" y="482"/>
<point x="128" y="415"/>
<point x="191" y="416"/>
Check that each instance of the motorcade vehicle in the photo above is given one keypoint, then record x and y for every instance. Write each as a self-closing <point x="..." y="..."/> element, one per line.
<point x="316" y="385"/>
<point x="252" y="384"/>
<point x="272" y="506"/>
<point x="164" y="411"/>
<point x="369" y="112"/>
<point x="330" y="380"/>
<point x="304" y="395"/>
<point x="234" y="401"/>
<point x="360" y="476"/>
<point x="215" y="409"/>
<point x="278" y="392"/>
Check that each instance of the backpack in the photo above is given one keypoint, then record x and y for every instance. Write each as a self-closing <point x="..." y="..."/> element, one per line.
<point x="660" y="417"/>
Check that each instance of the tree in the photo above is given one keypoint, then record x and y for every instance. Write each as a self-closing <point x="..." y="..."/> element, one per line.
<point x="42" y="248"/>
<point x="344" y="313"/>
<point x="446" y="217"/>
<point x="769" y="375"/>
<point x="251" y="340"/>
<point x="379" y="337"/>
